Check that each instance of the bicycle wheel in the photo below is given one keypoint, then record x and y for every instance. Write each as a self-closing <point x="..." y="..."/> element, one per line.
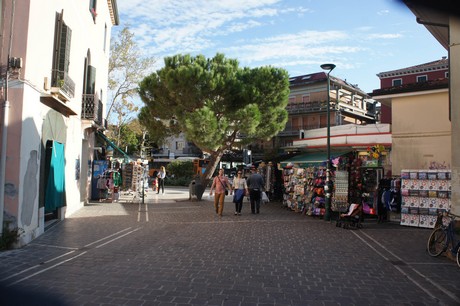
<point x="437" y="243"/>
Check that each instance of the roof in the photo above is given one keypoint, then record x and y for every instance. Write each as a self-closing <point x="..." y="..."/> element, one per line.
<point x="311" y="159"/>
<point x="442" y="64"/>
<point x="108" y="141"/>
<point x="434" y="15"/>
<point x="317" y="77"/>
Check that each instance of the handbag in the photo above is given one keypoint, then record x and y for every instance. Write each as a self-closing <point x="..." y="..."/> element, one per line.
<point x="226" y="191"/>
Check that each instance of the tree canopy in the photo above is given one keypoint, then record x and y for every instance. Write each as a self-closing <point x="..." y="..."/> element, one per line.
<point x="215" y="102"/>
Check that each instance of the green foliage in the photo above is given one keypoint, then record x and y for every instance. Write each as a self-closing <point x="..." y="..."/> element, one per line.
<point x="9" y="237"/>
<point x="177" y="181"/>
<point x="180" y="168"/>
<point x="214" y="101"/>
<point x="180" y="173"/>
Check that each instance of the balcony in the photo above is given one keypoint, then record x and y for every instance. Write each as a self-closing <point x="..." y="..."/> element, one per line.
<point x="91" y="108"/>
<point x="62" y="85"/>
<point x="295" y="131"/>
<point x="308" y="107"/>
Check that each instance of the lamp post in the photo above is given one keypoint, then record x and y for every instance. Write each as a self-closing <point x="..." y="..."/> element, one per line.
<point x="328" y="186"/>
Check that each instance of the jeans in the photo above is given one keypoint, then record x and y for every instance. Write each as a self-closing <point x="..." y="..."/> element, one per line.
<point x="161" y="185"/>
<point x="219" y="203"/>
<point x="238" y="199"/>
<point x="254" y="196"/>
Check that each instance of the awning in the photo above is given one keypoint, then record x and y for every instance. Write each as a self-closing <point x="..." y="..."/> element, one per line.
<point x="311" y="159"/>
<point x="114" y="145"/>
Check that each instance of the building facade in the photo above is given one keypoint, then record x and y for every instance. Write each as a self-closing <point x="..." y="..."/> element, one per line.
<point x="419" y="112"/>
<point x="307" y="106"/>
<point x="54" y="57"/>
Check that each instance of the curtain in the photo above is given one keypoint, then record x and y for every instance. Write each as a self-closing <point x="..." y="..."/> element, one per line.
<point x="55" y="188"/>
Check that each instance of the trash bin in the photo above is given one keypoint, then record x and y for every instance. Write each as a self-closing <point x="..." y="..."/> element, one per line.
<point x="196" y="188"/>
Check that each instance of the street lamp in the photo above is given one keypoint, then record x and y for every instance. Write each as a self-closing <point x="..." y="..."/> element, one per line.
<point x="328" y="186"/>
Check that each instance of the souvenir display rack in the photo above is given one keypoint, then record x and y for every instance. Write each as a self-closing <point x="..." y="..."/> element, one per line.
<point x="424" y="194"/>
<point x="304" y="189"/>
<point x="340" y="194"/>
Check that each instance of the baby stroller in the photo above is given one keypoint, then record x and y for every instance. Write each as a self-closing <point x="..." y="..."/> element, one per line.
<point x="352" y="218"/>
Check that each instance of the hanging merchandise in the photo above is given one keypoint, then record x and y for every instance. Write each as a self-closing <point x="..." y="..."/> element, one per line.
<point x="340" y="195"/>
<point x="425" y="193"/>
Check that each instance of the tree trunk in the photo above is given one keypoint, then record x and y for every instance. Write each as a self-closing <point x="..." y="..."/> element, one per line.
<point x="213" y="162"/>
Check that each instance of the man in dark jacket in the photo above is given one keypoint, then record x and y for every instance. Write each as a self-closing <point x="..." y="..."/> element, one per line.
<point x="255" y="184"/>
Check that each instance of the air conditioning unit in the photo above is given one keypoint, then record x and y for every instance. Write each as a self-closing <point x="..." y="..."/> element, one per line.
<point x="46" y="84"/>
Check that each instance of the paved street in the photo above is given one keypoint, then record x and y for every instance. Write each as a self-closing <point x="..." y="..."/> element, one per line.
<point x="171" y="251"/>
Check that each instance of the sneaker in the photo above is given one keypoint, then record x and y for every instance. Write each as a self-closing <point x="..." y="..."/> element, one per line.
<point x="236" y="213"/>
<point x="239" y="214"/>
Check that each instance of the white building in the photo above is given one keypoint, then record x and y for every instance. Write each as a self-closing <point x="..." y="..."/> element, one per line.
<point x="54" y="56"/>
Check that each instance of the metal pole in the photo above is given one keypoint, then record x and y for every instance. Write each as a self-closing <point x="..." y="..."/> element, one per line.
<point x="328" y="185"/>
<point x="327" y="215"/>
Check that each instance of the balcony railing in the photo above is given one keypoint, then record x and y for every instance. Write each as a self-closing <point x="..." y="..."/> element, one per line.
<point x="306" y="107"/>
<point x="91" y="108"/>
<point x="62" y="81"/>
<point x="295" y="131"/>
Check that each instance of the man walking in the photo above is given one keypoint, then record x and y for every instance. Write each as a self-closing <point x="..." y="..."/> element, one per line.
<point x="255" y="184"/>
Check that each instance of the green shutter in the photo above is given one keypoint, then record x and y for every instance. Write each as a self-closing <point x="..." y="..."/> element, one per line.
<point x="91" y="80"/>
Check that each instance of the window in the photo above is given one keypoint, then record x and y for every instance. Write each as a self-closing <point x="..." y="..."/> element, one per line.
<point x="105" y="38"/>
<point x="306" y="98"/>
<point x="422" y="78"/>
<point x="179" y="145"/>
<point x="91" y="80"/>
<point x="61" y="56"/>
<point x="92" y="8"/>
<point x="397" y="82"/>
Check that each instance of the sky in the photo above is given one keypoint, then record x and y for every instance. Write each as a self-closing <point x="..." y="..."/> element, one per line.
<point x="361" y="37"/>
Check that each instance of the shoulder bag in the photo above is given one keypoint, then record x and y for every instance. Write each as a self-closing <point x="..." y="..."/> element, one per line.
<point x="226" y="191"/>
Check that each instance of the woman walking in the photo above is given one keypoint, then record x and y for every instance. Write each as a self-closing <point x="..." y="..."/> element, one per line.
<point x="240" y="188"/>
<point x="220" y="183"/>
<point x="161" y="180"/>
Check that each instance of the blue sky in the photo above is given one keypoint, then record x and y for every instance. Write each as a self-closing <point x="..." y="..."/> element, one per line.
<point x="362" y="37"/>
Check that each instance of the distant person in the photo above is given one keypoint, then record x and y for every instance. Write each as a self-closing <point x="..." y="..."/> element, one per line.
<point x="240" y="189"/>
<point x="161" y="180"/>
<point x="255" y="185"/>
<point x="221" y="185"/>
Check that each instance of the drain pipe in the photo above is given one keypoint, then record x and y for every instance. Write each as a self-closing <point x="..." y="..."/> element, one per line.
<point x="6" y="107"/>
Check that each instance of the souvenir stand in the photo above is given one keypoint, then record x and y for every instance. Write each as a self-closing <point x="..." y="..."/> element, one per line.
<point x="355" y="176"/>
<point x="304" y="189"/>
<point x="304" y="186"/>
<point x="424" y="194"/>
<point x="132" y="179"/>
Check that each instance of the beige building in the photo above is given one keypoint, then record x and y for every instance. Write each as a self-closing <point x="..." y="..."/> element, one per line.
<point x="54" y="57"/>
<point x="421" y="130"/>
<point x="442" y="22"/>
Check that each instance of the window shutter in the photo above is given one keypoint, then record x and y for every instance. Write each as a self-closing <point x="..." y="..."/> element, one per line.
<point x="61" y="61"/>
<point x="91" y="80"/>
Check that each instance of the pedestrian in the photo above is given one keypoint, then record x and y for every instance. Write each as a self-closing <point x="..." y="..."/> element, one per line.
<point x="240" y="188"/>
<point x="222" y="186"/>
<point x="255" y="185"/>
<point x="161" y="180"/>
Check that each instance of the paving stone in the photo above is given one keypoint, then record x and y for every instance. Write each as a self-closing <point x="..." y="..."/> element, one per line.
<point x="184" y="255"/>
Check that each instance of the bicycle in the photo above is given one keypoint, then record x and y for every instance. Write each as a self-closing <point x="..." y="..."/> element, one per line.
<point x="443" y="236"/>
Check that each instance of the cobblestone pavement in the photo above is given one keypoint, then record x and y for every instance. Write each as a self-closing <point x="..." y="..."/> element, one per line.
<point x="167" y="250"/>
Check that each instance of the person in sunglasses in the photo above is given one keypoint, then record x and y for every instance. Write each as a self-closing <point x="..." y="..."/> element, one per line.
<point x="240" y="188"/>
